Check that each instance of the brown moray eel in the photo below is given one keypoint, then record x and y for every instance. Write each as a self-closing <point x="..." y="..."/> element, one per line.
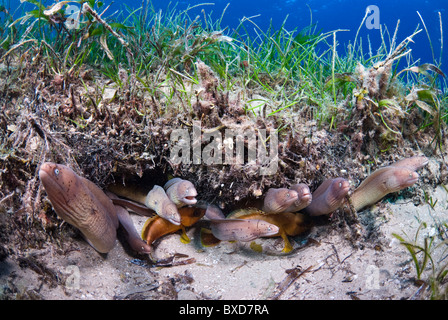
<point x="158" y="201"/>
<point x="155" y="201"/>
<point x="181" y="192"/>
<point x="157" y="227"/>
<point x="278" y="200"/>
<point x="242" y="229"/>
<point x="237" y="229"/>
<point x="164" y="203"/>
<point x="413" y="163"/>
<point x="328" y="197"/>
<point x="382" y="182"/>
<point x="287" y="223"/>
<point x="304" y="197"/>
<point x="82" y="204"/>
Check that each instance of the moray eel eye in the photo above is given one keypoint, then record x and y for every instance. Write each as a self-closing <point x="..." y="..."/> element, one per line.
<point x="56" y="172"/>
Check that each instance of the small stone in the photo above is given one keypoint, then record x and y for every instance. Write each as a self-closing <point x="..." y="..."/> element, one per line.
<point x="186" y="295"/>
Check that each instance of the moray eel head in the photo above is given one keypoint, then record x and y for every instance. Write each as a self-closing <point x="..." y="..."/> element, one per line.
<point x="187" y="192"/>
<point x="288" y="197"/>
<point x="61" y="184"/>
<point x="278" y="200"/>
<point x="339" y="189"/>
<point x="267" y="229"/>
<point x="171" y="213"/>
<point x="303" y="192"/>
<point x="401" y="178"/>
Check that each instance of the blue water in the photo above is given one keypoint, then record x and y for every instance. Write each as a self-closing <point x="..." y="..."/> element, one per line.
<point x="329" y="15"/>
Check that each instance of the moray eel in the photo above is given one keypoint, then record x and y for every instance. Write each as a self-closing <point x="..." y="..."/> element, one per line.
<point x="242" y="229"/>
<point x="158" y="201"/>
<point x="181" y="192"/>
<point x="382" y="182"/>
<point x="237" y="229"/>
<point x="157" y="227"/>
<point x="277" y="200"/>
<point x="304" y="197"/>
<point x="163" y="201"/>
<point x="328" y="197"/>
<point x="413" y="163"/>
<point x="82" y="204"/>
<point x="287" y="224"/>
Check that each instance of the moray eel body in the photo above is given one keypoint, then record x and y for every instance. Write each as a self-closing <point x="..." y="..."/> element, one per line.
<point x="304" y="197"/>
<point x="82" y="204"/>
<point x="278" y="200"/>
<point x="287" y="223"/>
<point x="382" y="182"/>
<point x="133" y="206"/>
<point x="132" y="236"/>
<point x="181" y="192"/>
<point x="157" y="227"/>
<point x="328" y="197"/>
<point x="158" y="201"/>
<point x="131" y="192"/>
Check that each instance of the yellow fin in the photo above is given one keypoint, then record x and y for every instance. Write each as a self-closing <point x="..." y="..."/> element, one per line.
<point x="183" y="237"/>
<point x="288" y="246"/>
<point x="256" y="247"/>
<point x="241" y="213"/>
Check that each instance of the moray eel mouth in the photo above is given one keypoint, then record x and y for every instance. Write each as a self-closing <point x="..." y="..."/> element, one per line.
<point x="344" y="187"/>
<point x="306" y="197"/>
<point x="190" y="200"/>
<point x="413" y="178"/>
